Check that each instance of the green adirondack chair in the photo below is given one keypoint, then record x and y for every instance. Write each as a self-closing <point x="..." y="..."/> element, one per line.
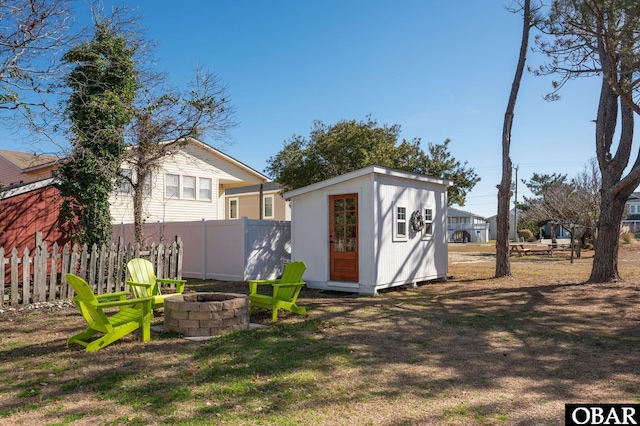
<point x="143" y="282"/>
<point x="131" y="315"/>
<point x="285" y="291"/>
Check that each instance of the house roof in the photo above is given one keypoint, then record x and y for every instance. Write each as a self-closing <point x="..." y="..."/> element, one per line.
<point x="228" y="158"/>
<point x="363" y="172"/>
<point x="634" y="216"/>
<point x="28" y="161"/>
<point x="451" y="212"/>
<point x="267" y="186"/>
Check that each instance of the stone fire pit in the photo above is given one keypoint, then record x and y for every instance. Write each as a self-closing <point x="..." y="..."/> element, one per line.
<point x="206" y="314"/>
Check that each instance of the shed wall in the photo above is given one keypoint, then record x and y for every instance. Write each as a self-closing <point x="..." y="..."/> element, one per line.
<point x="23" y="215"/>
<point x="418" y="257"/>
<point x="310" y="232"/>
<point x="383" y="262"/>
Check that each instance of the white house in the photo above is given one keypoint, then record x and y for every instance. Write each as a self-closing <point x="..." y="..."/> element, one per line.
<point x="493" y="225"/>
<point x="190" y="186"/>
<point x="632" y="218"/>
<point x="355" y="232"/>
<point x="466" y="227"/>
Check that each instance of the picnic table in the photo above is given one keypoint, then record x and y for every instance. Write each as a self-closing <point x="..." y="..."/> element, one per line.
<point x="523" y="249"/>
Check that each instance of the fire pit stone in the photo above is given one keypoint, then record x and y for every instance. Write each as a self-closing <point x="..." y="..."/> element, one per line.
<point x="206" y="314"/>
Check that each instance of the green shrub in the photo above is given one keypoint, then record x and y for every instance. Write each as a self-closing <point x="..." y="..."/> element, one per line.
<point x="525" y="233"/>
<point x="628" y="237"/>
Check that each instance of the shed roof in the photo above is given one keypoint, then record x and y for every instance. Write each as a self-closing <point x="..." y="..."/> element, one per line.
<point x="363" y="172"/>
<point x="27" y="187"/>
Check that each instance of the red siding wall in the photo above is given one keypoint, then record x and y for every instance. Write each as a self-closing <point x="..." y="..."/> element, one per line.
<point x="21" y="216"/>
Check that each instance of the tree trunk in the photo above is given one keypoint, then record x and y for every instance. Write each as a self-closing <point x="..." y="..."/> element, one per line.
<point x="503" y="264"/>
<point x="605" y="259"/>
<point x="615" y="189"/>
<point x="138" y="225"/>
<point x="142" y="174"/>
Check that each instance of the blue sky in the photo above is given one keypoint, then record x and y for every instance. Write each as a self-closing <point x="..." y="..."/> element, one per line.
<point x="438" y="68"/>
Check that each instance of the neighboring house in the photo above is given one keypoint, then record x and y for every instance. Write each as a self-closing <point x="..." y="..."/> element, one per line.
<point x="262" y="201"/>
<point x="561" y="231"/>
<point x="191" y="186"/>
<point x="18" y="168"/>
<point x="465" y="227"/>
<point x="493" y="225"/>
<point x="632" y="219"/>
<point x="26" y="209"/>
<point x="354" y="231"/>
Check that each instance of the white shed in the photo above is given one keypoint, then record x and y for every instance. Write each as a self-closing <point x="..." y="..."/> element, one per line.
<point x="361" y="232"/>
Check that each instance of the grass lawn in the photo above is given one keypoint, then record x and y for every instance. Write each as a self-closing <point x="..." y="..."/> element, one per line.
<point x="473" y="350"/>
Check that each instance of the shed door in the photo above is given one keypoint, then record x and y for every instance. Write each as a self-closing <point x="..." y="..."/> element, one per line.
<point x="343" y="237"/>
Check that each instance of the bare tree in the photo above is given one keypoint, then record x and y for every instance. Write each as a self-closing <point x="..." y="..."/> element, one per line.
<point x="574" y="204"/>
<point x="33" y="33"/>
<point x="602" y="38"/>
<point x="165" y="118"/>
<point x="503" y="265"/>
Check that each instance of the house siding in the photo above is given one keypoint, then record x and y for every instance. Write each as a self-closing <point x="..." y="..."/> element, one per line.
<point x="249" y="206"/>
<point x="19" y="168"/>
<point x="9" y="173"/>
<point x="190" y="160"/>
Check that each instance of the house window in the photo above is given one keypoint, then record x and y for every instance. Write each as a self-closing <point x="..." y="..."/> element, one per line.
<point x="189" y="187"/>
<point x="428" y="222"/>
<point x="204" y="189"/>
<point x="146" y="187"/>
<point x="233" y="208"/>
<point x="267" y="207"/>
<point x="171" y="186"/>
<point x="400" y="223"/>
<point x="124" y="184"/>
<point x="632" y="209"/>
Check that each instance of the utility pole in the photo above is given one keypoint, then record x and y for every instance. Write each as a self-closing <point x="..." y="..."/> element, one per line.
<point x="515" y="209"/>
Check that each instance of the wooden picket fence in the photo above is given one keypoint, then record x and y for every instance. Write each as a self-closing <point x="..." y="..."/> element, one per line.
<point x="43" y="278"/>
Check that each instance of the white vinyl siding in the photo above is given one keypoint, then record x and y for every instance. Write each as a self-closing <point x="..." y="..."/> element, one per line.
<point x="166" y="203"/>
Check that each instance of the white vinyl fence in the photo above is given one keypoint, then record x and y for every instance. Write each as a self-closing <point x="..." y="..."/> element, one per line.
<point x="233" y="250"/>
